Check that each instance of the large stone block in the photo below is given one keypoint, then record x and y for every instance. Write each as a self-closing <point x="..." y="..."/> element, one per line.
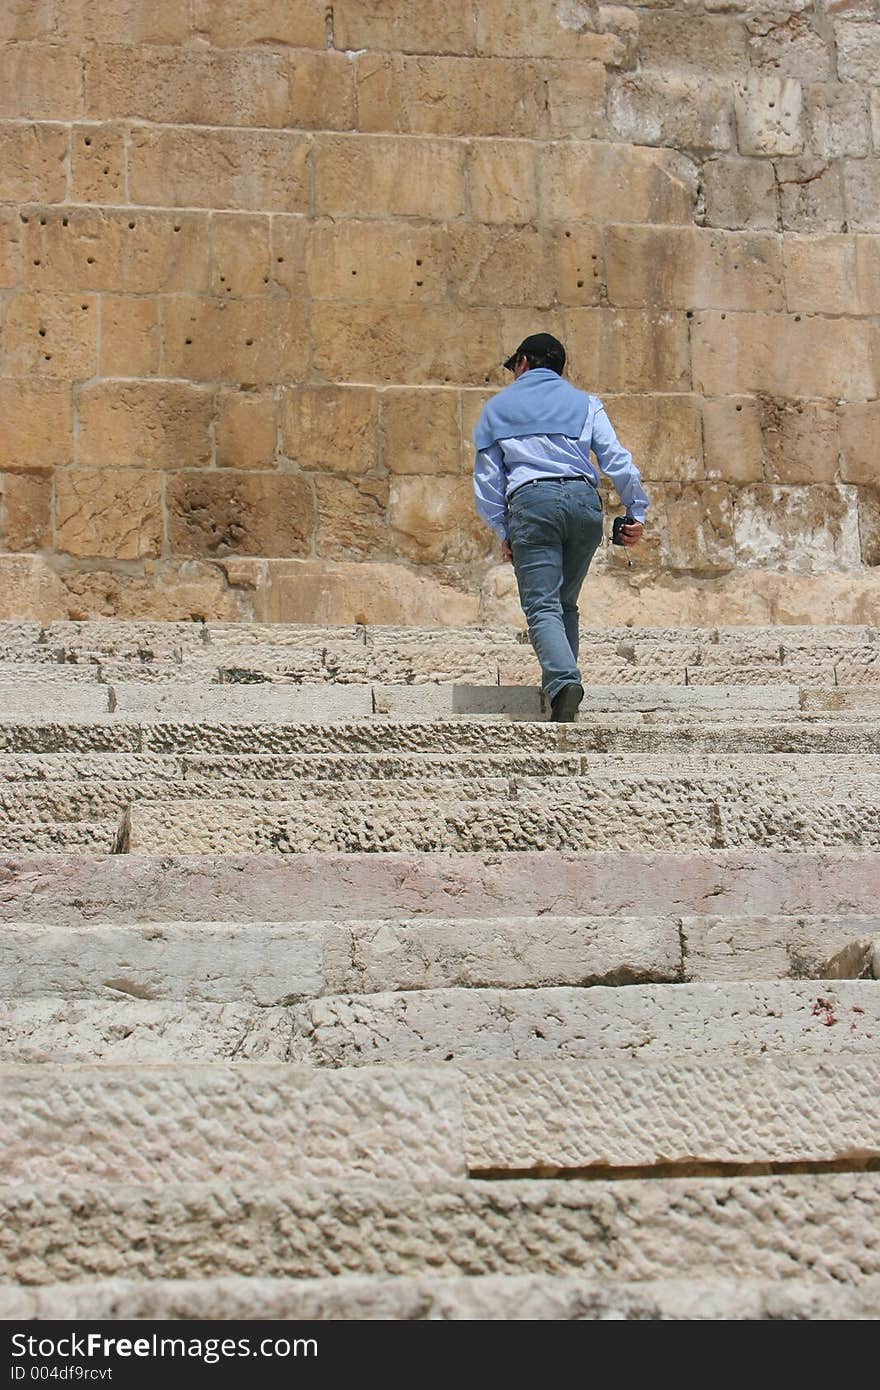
<point x="330" y="427"/>
<point x="187" y="86"/>
<point x="555" y="30"/>
<point x="169" y="590"/>
<point x="700" y="43"/>
<point x="263" y="170"/>
<point x="322" y="91"/>
<point x="861" y="192"/>
<point x="26" y="511"/>
<point x="698" y="529"/>
<point x="404" y="344"/>
<point x="352" y="518"/>
<point x="241" y="340"/>
<point x="240" y="255"/>
<point x="860" y="441"/>
<point x="10" y="248"/>
<point x="37" y="428"/>
<point x="369" y="176"/>
<point x="692" y="268"/>
<point x="217" y="514"/>
<point x="288" y="261"/>
<point x="52" y="335"/>
<point x="267" y="23"/>
<point x="837" y="120"/>
<point x="629" y="349"/>
<point x="110" y="512"/>
<point x="135" y="252"/>
<point x="739" y="193"/>
<point x="502" y="178"/>
<point x="590" y="182"/>
<point x="575" y="99"/>
<point x="579" y="265"/>
<point x="121" y="21"/>
<point x="434" y="26"/>
<point x="495" y="266"/>
<point x="433" y="520"/>
<point x="420" y="431"/>
<point x="245" y="431"/>
<point x="663" y="433"/>
<point x="384" y="263"/>
<point x="800" y="441"/>
<point x="154" y="424"/>
<point x="783" y="355"/>
<point x="308" y="590"/>
<point x="40" y="81"/>
<point x="769" y="116"/>
<point x="811" y="197"/>
<point x="686" y="112"/>
<point x="858" y="49"/>
<point x="869" y="526"/>
<point x="786" y="44"/>
<point x="732" y="440"/>
<point x="449" y="96"/>
<point x="97" y="164"/>
<point x="832" y="274"/>
<point x="809" y="530"/>
<point x="131" y="336"/>
<point x="32" y="162"/>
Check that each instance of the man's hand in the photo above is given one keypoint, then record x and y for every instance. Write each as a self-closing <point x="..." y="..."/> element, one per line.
<point x="632" y="534"/>
<point x="507" y="552"/>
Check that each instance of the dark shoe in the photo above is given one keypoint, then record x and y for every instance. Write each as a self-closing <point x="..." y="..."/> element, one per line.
<point x="564" y="706"/>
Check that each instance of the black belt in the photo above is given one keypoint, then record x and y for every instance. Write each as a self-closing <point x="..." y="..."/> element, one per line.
<point x="566" y="478"/>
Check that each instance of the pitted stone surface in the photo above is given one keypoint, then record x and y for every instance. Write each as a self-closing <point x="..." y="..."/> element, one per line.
<point x="583" y="814"/>
<point x="153" y="1125"/>
<point x="652" y="1020"/>
<point x="502" y="1297"/>
<point x="822" y="1227"/>
<point x="685" y="1110"/>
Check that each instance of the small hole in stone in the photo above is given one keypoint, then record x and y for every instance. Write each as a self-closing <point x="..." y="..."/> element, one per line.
<point x="279" y="259"/>
<point x="265" y="279"/>
<point x="131" y="226"/>
<point x="689" y="314"/>
<point x="106" y="169"/>
<point x="594" y="258"/>
<point x="580" y="284"/>
<point x="42" y="332"/>
<point x="354" y="272"/>
<point x="723" y="316"/>
<point x="23" y="218"/>
<point x="42" y="221"/>
<point x="36" y="262"/>
<point x="88" y="140"/>
<point x="47" y="357"/>
<point x="419" y="283"/>
<point x="84" y="306"/>
<point x="568" y="233"/>
<point x="177" y="228"/>
<point x="90" y="260"/>
<point x="739" y="407"/>
<point x="797" y="318"/>
<point x="418" y="262"/>
<point x="65" y="221"/>
<point x="222" y="279"/>
<point x="771" y="104"/>
<point x="188" y="341"/>
<point x="248" y="342"/>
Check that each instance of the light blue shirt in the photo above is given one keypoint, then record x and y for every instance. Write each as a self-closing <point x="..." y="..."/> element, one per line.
<point x="509" y="463"/>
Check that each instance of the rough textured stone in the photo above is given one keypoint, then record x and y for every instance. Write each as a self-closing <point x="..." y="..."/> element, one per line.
<point x="769" y="116"/>
<point x="732" y="439"/>
<point x="131" y="336"/>
<point x="583" y="180"/>
<point x="490" y="1296"/>
<point x="37" y="425"/>
<point x="245" y="431"/>
<point x="217" y="514"/>
<point x="503" y="181"/>
<point x="784" y="355"/>
<point x="809" y="530"/>
<point x="859" y="432"/>
<point x="448" y="96"/>
<point x="97" y="163"/>
<point x="433" y="519"/>
<point x="367" y="592"/>
<point x="693" y="269"/>
<point x="264" y="170"/>
<point x="237" y="340"/>
<point x="32" y="161"/>
<point x="330" y="428"/>
<point x="51" y="335"/>
<point x="154" y="424"/>
<point x="420" y="431"/>
<point x="134" y="252"/>
<point x="26" y="511"/>
<point x="375" y="177"/>
<point x="739" y="193"/>
<point x="685" y="112"/>
<point x="111" y="512"/>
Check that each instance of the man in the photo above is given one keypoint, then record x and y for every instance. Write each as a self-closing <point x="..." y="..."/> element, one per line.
<point x="536" y="487"/>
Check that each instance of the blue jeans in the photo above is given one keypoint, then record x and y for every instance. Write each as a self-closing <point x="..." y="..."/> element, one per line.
<point x="555" y="529"/>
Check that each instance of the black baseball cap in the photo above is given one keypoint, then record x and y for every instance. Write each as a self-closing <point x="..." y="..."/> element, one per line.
<point x="539" y="345"/>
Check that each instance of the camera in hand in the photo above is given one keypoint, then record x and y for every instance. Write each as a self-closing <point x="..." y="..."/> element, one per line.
<point x="619" y="522"/>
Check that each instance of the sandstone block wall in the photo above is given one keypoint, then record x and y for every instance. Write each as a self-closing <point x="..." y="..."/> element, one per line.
<point x="260" y="261"/>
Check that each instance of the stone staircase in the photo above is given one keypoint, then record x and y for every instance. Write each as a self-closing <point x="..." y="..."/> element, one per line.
<point x="338" y="983"/>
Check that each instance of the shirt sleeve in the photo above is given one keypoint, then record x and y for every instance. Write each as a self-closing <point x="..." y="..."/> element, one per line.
<point x="489" y="489"/>
<point x="617" y="464"/>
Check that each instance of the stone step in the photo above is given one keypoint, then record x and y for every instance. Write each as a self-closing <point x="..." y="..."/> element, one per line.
<point x="155" y="1125"/>
<point x="26" y="835"/>
<point x="79" y="888"/>
<point x="437" y="1025"/>
<point x="583" y="814"/>
<point x="269" y="963"/>
<point x="410" y="1298"/>
<point x="102" y="798"/>
<point x="466" y="1025"/>
<point x="275" y="963"/>
<point x="726" y="1227"/>
<point x="837" y="732"/>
